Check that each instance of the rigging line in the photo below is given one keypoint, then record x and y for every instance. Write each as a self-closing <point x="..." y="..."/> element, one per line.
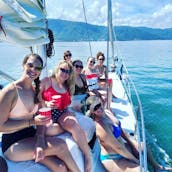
<point x="83" y="5"/>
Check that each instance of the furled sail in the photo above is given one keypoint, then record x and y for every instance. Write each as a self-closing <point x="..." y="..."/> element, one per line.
<point x="23" y="22"/>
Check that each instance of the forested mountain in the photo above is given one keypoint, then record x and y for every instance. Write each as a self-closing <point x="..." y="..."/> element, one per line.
<point x="77" y="31"/>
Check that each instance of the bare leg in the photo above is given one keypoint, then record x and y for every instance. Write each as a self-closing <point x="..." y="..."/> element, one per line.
<point x="54" y="164"/>
<point x="24" y="150"/>
<point x="69" y="123"/>
<point x="121" y="165"/>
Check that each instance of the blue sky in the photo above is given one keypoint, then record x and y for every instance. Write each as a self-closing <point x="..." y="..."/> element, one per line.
<point x="148" y="13"/>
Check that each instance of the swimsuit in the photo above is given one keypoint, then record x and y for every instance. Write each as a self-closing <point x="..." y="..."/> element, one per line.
<point x="110" y="156"/>
<point x="117" y="130"/>
<point x="81" y="90"/>
<point x="19" y="111"/>
<point x="117" y="133"/>
<point x="65" y="102"/>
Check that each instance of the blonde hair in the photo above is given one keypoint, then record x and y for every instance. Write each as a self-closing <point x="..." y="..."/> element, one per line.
<point x="70" y="82"/>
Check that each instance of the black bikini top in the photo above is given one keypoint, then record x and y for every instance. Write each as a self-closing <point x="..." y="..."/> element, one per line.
<point x="81" y="90"/>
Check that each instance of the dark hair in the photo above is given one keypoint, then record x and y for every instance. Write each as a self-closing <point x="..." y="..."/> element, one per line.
<point x="75" y="61"/>
<point x="99" y="54"/>
<point x="37" y="80"/>
<point x="50" y="47"/>
<point x="65" y="53"/>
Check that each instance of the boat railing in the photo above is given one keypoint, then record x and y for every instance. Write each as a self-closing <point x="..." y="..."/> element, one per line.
<point x="5" y="78"/>
<point x="135" y="101"/>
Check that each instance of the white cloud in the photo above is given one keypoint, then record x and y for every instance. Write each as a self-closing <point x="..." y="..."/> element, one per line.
<point x="125" y="12"/>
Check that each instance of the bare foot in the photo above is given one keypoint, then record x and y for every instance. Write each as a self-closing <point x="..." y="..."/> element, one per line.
<point x="162" y="168"/>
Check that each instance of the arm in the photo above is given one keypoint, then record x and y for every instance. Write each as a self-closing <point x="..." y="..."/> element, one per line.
<point x="108" y="141"/>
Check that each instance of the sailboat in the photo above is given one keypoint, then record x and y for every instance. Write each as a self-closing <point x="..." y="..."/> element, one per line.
<point x="24" y="22"/>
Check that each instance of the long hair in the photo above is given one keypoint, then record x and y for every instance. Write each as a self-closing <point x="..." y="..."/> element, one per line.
<point x="37" y="80"/>
<point x="70" y="82"/>
<point x="99" y="54"/>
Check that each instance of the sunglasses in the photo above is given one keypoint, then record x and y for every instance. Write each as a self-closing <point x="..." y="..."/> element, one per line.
<point x="79" y="66"/>
<point x="65" y="71"/>
<point x="68" y="55"/>
<point x="30" y="65"/>
<point x="93" y="62"/>
<point x="97" y="106"/>
<point x="102" y="59"/>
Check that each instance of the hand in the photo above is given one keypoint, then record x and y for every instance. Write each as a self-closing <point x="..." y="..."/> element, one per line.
<point x="41" y="120"/>
<point x="77" y="107"/>
<point x="51" y="104"/>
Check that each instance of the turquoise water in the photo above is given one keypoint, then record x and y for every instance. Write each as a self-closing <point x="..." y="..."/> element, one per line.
<point x="150" y="66"/>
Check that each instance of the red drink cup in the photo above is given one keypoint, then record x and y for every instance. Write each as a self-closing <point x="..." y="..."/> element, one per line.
<point x="110" y="81"/>
<point x="45" y="111"/>
<point x="57" y="99"/>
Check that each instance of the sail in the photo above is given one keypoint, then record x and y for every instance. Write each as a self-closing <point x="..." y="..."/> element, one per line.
<point x="23" y="22"/>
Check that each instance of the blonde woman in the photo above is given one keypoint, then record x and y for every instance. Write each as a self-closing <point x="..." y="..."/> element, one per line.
<point x="118" y="152"/>
<point x="62" y="83"/>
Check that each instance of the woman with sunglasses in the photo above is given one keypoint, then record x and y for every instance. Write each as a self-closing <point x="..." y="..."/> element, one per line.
<point x="118" y="151"/>
<point x="102" y="70"/>
<point x="62" y="82"/>
<point x="92" y="78"/>
<point x="19" y="102"/>
<point x="67" y="56"/>
<point x="81" y="88"/>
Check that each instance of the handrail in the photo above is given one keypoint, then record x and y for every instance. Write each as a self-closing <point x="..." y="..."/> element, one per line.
<point x="128" y="81"/>
<point x="6" y="76"/>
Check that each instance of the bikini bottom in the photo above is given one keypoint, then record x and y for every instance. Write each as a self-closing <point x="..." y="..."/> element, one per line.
<point x="10" y="139"/>
<point x="56" y="114"/>
<point x="110" y="156"/>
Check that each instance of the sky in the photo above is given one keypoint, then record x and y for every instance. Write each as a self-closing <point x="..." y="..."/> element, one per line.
<point x="147" y="13"/>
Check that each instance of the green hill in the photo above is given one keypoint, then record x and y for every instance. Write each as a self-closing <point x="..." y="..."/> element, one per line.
<point x="77" y="31"/>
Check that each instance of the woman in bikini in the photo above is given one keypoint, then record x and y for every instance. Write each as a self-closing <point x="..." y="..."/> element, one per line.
<point x="62" y="83"/>
<point x="118" y="151"/>
<point x="19" y="102"/>
<point x="114" y="155"/>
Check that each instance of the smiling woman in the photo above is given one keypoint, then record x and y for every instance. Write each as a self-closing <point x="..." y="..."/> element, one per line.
<point x="19" y="103"/>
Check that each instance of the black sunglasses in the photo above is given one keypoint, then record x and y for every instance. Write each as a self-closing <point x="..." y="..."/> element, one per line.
<point x="97" y="106"/>
<point x="79" y="66"/>
<point x="93" y="62"/>
<point x="102" y="59"/>
<point x="68" y="55"/>
<point x="30" y="65"/>
<point x="65" y="71"/>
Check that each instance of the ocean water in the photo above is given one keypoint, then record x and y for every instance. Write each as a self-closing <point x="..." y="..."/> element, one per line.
<point x="150" y="66"/>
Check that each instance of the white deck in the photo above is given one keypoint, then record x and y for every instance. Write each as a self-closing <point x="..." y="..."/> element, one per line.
<point x="121" y="106"/>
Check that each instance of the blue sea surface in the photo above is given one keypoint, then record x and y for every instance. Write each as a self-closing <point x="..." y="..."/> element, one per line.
<point x="150" y="66"/>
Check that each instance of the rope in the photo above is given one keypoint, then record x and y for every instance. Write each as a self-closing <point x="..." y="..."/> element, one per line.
<point x="1" y="28"/>
<point x="86" y="23"/>
<point x="50" y="47"/>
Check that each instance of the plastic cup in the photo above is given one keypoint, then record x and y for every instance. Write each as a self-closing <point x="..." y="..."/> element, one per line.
<point x="57" y="99"/>
<point x="46" y="112"/>
<point x="110" y="81"/>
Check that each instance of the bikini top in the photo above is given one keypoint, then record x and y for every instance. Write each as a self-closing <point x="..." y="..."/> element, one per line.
<point x="81" y="90"/>
<point x="65" y="97"/>
<point x="20" y="111"/>
<point x="117" y="130"/>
